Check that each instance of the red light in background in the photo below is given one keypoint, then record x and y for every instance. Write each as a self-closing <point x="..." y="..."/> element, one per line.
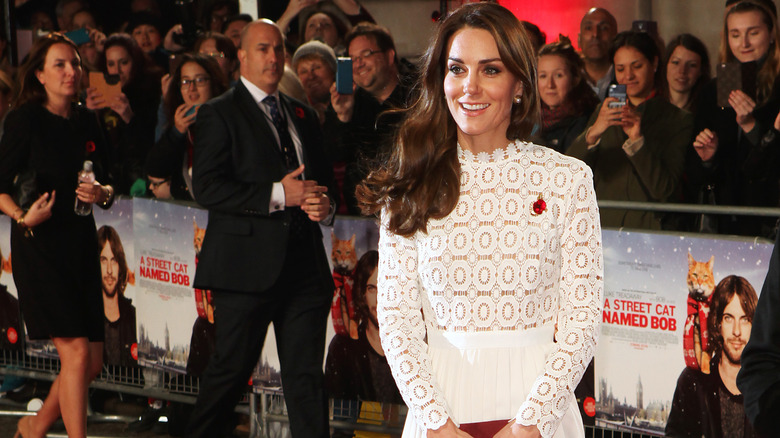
<point x="552" y="16"/>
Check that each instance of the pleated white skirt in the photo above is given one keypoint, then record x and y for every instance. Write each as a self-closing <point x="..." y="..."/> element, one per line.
<point x="486" y="376"/>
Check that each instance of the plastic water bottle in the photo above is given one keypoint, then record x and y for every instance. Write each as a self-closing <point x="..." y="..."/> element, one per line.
<point x="85" y="176"/>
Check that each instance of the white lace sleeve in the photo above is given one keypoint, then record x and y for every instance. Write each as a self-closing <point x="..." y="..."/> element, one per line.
<point x="580" y="291"/>
<point x="402" y="329"/>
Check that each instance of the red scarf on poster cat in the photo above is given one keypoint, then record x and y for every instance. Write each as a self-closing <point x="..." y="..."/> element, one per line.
<point x="342" y="309"/>
<point x="700" y="309"/>
<point x="701" y="283"/>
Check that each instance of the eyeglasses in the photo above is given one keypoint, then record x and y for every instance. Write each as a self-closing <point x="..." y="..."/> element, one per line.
<point x="214" y="54"/>
<point x="364" y="54"/>
<point x="155" y="184"/>
<point x="200" y="81"/>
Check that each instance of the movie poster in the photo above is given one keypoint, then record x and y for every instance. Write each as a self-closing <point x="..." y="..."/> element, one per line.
<point x="641" y="351"/>
<point x="353" y="236"/>
<point x="11" y="330"/>
<point x="116" y="244"/>
<point x="167" y="237"/>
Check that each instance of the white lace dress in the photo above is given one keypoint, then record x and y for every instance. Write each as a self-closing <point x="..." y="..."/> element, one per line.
<point x="509" y="299"/>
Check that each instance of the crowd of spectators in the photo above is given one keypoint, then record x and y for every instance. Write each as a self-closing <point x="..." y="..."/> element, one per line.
<point x="676" y="139"/>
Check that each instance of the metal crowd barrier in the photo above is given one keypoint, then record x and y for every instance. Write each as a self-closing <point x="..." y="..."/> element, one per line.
<point x="266" y="408"/>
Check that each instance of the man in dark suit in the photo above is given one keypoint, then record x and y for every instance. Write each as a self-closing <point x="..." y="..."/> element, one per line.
<point x="759" y="377"/>
<point x="260" y="169"/>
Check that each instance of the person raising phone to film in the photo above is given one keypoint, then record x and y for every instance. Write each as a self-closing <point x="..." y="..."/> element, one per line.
<point x="722" y="166"/>
<point x="636" y="149"/>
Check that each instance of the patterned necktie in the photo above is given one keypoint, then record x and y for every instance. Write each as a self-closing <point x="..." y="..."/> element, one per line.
<point x="285" y="140"/>
<point x="300" y="225"/>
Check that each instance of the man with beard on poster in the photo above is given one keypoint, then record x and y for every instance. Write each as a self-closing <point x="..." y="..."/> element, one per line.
<point x="357" y="368"/>
<point x="711" y="405"/>
<point x="118" y="309"/>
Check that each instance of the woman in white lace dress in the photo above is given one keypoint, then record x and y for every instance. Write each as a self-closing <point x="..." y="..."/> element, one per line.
<point x="490" y="268"/>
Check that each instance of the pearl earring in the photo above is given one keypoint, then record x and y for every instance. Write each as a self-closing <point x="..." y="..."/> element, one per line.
<point x="517" y="99"/>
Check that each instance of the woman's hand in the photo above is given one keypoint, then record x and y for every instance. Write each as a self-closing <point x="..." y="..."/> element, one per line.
<point x="449" y="430"/>
<point x="40" y="210"/>
<point x="181" y="120"/>
<point x="607" y="117"/>
<point x="294" y="7"/>
<point x="98" y="38"/>
<point x="777" y="122"/>
<point x="631" y="122"/>
<point x="121" y="106"/>
<point x="515" y="430"/>
<point x="93" y="193"/>
<point x="168" y="42"/>
<point x="743" y="105"/>
<point x="95" y="99"/>
<point x="165" y="84"/>
<point x="706" y="144"/>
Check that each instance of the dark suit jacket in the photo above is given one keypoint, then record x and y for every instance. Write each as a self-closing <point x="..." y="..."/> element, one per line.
<point x="236" y="160"/>
<point x="759" y="377"/>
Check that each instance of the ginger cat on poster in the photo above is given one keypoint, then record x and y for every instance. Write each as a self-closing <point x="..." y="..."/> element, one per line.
<point x="197" y="237"/>
<point x="344" y="260"/>
<point x="701" y="284"/>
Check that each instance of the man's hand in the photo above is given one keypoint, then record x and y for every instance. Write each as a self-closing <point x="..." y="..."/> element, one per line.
<point x="343" y="104"/>
<point x="296" y="191"/>
<point x="317" y="207"/>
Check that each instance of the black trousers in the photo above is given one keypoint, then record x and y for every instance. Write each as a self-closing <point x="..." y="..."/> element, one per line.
<point x="298" y="306"/>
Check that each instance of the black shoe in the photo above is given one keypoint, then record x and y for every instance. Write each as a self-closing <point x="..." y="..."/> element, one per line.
<point x="149" y="418"/>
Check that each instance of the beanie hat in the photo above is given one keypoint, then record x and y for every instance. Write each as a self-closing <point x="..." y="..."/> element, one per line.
<point x="316" y="48"/>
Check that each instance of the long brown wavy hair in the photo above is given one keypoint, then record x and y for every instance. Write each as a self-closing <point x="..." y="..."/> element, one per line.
<point x="421" y="179"/>
<point x="721" y="297"/>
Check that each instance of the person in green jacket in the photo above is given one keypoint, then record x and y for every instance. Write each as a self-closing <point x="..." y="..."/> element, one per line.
<point x="637" y="150"/>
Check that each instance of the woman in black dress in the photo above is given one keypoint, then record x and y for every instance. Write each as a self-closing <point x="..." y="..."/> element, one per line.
<point x="56" y="267"/>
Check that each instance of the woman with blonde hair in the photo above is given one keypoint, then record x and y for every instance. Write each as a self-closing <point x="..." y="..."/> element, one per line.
<point x="490" y="246"/>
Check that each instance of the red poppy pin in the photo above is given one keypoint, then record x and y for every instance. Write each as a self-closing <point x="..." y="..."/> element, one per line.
<point x="90" y="147"/>
<point x="299" y="112"/>
<point x="538" y="207"/>
<point x="12" y="335"/>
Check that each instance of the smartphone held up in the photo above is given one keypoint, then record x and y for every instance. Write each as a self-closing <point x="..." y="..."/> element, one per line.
<point x="344" y="75"/>
<point x="617" y="91"/>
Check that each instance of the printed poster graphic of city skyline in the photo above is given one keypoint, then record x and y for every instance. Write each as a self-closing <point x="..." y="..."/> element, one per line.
<point x="166" y="305"/>
<point x="645" y="274"/>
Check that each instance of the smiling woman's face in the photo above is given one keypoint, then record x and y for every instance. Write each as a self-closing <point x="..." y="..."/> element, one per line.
<point x="749" y="37"/>
<point x="479" y="88"/>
